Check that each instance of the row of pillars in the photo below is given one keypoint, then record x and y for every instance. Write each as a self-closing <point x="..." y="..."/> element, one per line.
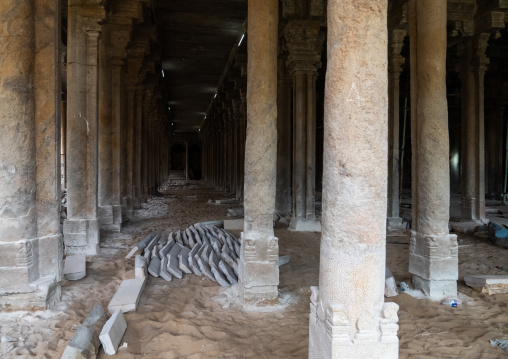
<point x="116" y="151"/>
<point x="348" y="315"/>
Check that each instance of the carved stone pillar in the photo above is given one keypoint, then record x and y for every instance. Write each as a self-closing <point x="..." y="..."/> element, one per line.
<point x="127" y="154"/>
<point x="137" y="151"/>
<point x="473" y="66"/>
<point x="395" y="61"/>
<point x="81" y="229"/>
<point x="30" y="238"/>
<point x="116" y="154"/>
<point x="433" y="258"/>
<point x="304" y="41"/>
<point x="258" y="264"/>
<point x="106" y="169"/>
<point x="283" y="198"/>
<point x="349" y="318"/>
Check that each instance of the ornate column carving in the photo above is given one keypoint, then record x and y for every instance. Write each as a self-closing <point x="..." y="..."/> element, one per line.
<point x="304" y="40"/>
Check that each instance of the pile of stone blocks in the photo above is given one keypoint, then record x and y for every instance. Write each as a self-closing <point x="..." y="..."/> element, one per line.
<point x="202" y="249"/>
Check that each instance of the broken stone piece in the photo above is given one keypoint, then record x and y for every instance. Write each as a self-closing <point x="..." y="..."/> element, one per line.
<point x="144" y="243"/>
<point x="205" y="269"/>
<point x="183" y="257"/>
<point x="85" y="343"/>
<point x="283" y="260"/>
<point x="127" y="296"/>
<point x="232" y="263"/>
<point x="192" y="261"/>
<point x="140" y="269"/>
<point x="112" y="333"/>
<point x="75" y="267"/>
<point x="165" y="250"/>
<point x="488" y="284"/>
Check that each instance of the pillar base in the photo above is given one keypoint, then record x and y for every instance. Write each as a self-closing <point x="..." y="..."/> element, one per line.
<point x="304" y="225"/>
<point x="330" y="333"/>
<point x="260" y="296"/>
<point x="394" y="223"/>
<point x="136" y="203"/>
<point x="81" y="236"/>
<point x="435" y="289"/>
<point x="43" y="294"/>
<point x="433" y="261"/>
<point x="110" y="219"/>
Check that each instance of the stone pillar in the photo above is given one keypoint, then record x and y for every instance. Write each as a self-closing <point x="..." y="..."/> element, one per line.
<point x="258" y="265"/>
<point x="433" y="259"/>
<point x="105" y="172"/>
<point x="474" y="65"/>
<point x="81" y="229"/>
<point x="186" y="160"/>
<point x="116" y="141"/>
<point x="283" y="197"/>
<point x="304" y="41"/>
<point x="137" y="152"/>
<point x="30" y="240"/>
<point x="127" y="155"/>
<point x="395" y="61"/>
<point x="349" y="318"/>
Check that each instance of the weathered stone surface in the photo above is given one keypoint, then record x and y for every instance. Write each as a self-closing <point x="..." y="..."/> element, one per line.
<point x="164" y="273"/>
<point x="488" y="284"/>
<point x="193" y="262"/>
<point x="155" y="267"/>
<point x="342" y="325"/>
<point x="112" y="333"/>
<point x="433" y="253"/>
<point x="219" y="277"/>
<point x="127" y="296"/>
<point x="173" y="266"/>
<point x="146" y="241"/>
<point x="183" y="257"/>
<point x="205" y="269"/>
<point x="228" y="272"/>
<point x="75" y="267"/>
<point x="233" y="224"/>
<point x="85" y="343"/>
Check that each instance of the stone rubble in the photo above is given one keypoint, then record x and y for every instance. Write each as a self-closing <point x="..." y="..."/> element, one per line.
<point x="112" y="333"/>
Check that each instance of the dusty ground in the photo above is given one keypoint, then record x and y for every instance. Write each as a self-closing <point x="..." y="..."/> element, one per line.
<point x="194" y="318"/>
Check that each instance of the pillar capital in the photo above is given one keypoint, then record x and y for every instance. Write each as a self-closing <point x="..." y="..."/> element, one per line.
<point x="304" y="40"/>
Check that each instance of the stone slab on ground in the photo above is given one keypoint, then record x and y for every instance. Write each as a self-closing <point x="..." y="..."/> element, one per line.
<point x="228" y="272"/>
<point x="155" y="267"/>
<point x="165" y="250"/>
<point x="164" y="273"/>
<point x="144" y="243"/>
<point x="85" y="343"/>
<point x="193" y="262"/>
<point x="464" y="227"/>
<point x="44" y="294"/>
<point x="174" y="266"/>
<point x="217" y="223"/>
<point x="183" y="258"/>
<point x="219" y="277"/>
<point x="488" y="284"/>
<point x="206" y="270"/>
<point x="112" y="333"/>
<point x="75" y="267"/>
<point x="283" y="260"/>
<point x="127" y="296"/>
<point x="230" y="261"/>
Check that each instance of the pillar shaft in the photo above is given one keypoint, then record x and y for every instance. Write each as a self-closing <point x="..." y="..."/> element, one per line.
<point x="395" y="61"/>
<point x="474" y="65"/>
<point x="81" y="229"/>
<point x="30" y="240"/>
<point x="116" y="140"/>
<point x="127" y="154"/>
<point x="137" y="152"/>
<point x="433" y="251"/>
<point x="304" y="41"/>
<point x="258" y="268"/>
<point x="348" y="316"/>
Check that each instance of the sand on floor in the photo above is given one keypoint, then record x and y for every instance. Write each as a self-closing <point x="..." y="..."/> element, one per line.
<point x="195" y="318"/>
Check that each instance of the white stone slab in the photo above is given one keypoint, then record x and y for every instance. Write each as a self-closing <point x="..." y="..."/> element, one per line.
<point x="127" y="296"/>
<point x="205" y="269"/>
<point x="228" y="272"/>
<point x="164" y="273"/>
<point x="219" y="277"/>
<point x="155" y="267"/>
<point x="140" y="267"/>
<point x="112" y="333"/>
<point x="173" y="266"/>
<point x="75" y="267"/>
<point x="488" y="284"/>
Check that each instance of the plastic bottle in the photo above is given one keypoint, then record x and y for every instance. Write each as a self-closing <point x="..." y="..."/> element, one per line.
<point x="451" y="303"/>
<point x="403" y="286"/>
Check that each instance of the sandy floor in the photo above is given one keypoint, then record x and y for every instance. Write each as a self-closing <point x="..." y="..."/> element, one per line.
<point x="194" y="318"/>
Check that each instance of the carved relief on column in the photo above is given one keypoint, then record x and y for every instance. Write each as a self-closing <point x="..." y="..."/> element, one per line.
<point x="395" y="63"/>
<point x="304" y="40"/>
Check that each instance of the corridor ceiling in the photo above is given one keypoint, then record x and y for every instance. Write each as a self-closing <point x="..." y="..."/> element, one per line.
<point x="195" y="40"/>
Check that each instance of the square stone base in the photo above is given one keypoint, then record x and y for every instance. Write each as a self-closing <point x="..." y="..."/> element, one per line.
<point x="44" y="293"/>
<point x="435" y="289"/>
<point x="81" y="236"/>
<point x="303" y="225"/>
<point x="394" y="223"/>
<point x="332" y="336"/>
<point x="260" y="296"/>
